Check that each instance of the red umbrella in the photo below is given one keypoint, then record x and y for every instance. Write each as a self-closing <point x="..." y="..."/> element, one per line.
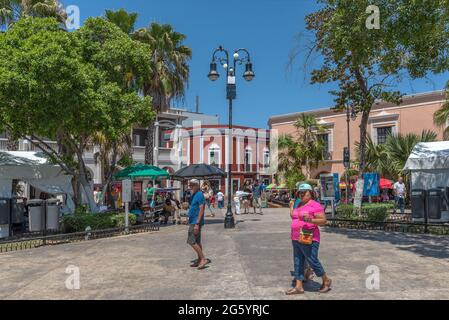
<point x="386" y="184"/>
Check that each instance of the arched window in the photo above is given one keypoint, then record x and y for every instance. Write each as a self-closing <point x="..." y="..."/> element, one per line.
<point x="214" y="153"/>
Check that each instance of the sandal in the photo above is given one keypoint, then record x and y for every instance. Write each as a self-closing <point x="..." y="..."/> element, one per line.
<point x="204" y="266"/>
<point x="294" y="291"/>
<point x="196" y="263"/>
<point x="326" y="287"/>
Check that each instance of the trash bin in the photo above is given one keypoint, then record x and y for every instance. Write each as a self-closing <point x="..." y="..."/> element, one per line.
<point x="52" y="214"/>
<point x="36" y="215"/>
<point x="418" y="202"/>
<point x="5" y="208"/>
<point x="18" y="211"/>
<point x="434" y="201"/>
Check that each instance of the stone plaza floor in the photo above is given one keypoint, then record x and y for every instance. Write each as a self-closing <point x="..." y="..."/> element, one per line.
<point x="252" y="261"/>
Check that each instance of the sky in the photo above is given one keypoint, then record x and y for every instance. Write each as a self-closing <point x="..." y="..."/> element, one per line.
<point x="270" y="29"/>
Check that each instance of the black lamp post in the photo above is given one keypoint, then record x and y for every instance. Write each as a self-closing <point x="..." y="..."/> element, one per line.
<point x="351" y="114"/>
<point x="231" y="94"/>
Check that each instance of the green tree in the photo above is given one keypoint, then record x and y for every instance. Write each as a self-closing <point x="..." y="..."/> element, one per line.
<point x="170" y="71"/>
<point x="11" y="11"/>
<point x="64" y="87"/>
<point x="367" y="63"/>
<point x="121" y="18"/>
<point x="389" y="159"/>
<point x="306" y="150"/>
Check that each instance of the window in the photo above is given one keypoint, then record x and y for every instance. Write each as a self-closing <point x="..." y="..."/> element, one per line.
<point x="383" y="133"/>
<point x="214" y="155"/>
<point x="324" y="138"/>
<point x="266" y="158"/>
<point x="2" y="135"/>
<point x="139" y="138"/>
<point x="248" y="159"/>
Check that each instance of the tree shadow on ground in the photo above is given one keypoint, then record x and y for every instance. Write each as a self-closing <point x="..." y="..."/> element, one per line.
<point x="421" y="244"/>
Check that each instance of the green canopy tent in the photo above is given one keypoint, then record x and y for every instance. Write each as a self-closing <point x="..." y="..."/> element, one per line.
<point x="151" y="173"/>
<point x="271" y="186"/>
<point x="124" y="174"/>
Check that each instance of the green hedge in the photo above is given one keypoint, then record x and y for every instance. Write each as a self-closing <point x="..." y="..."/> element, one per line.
<point x="370" y="211"/>
<point x="96" y="221"/>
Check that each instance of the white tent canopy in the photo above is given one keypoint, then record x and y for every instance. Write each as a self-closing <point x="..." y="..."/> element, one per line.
<point x="34" y="169"/>
<point x="429" y="165"/>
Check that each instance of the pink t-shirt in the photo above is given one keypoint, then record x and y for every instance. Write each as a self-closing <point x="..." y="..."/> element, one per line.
<point x="312" y="208"/>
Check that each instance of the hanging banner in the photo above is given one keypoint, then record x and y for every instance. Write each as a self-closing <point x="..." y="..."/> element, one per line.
<point x="371" y="184"/>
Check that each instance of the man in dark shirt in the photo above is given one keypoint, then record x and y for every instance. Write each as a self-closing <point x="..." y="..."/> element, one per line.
<point x="196" y="222"/>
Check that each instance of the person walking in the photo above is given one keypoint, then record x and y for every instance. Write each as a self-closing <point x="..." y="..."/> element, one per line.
<point x="257" y="190"/>
<point x="305" y="235"/>
<point x="208" y="194"/>
<point x="399" y="194"/>
<point x="196" y="223"/>
<point x="220" y="199"/>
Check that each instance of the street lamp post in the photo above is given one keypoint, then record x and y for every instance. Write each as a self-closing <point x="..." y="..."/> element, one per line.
<point x="350" y="114"/>
<point x="231" y="94"/>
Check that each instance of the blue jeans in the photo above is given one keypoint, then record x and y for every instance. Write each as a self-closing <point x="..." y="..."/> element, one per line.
<point x="400" y="203"/>
<point x="306" y="253"/>
<point x="221" y="204"/>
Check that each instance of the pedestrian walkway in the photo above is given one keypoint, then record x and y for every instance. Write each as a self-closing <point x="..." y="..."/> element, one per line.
<point x="254" y="260"/>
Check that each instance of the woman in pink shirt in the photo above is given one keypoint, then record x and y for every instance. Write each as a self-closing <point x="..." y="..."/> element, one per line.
<point x="305" y="235"/>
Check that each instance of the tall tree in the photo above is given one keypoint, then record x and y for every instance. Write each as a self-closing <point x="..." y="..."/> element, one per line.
<point x="67" y="86"/>
<point x="11" y="11"/>
<point x="121" y="18"/>
<point x="170" y="71"/>
<point x="365" y="63"/>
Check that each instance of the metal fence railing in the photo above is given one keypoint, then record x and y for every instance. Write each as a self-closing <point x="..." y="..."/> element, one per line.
<point x="34" y="240"/>
<point x="391" y="225"/>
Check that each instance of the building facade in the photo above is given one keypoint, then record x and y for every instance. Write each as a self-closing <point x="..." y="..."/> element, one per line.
<point x="413" y="115"/>
<point x="210" y="144"/>
<point x="173" y="118"/>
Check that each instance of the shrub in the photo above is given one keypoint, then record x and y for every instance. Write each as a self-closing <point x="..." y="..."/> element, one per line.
<point x="370" y="211"/>
<point x="346" y="211"/>
<point x="96" y="221"/>
<point x="375" y="211"/>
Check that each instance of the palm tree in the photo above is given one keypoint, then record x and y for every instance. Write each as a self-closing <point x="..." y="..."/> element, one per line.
<point x="307" y="150"/>
<point x="12" y="10"/>
<point x="441" y="116"/>
<point x="170" y="71"/>
<point x="312" y="147"/>
<point x="110" y="153"/>
<point x="121" y="18"/>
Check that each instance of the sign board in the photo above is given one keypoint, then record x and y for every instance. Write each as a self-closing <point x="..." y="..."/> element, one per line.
<point x="127" y="186"/>
<point x="327" y="186"/>
<point x="346" y="157"/>
<point x="371" y="184"/>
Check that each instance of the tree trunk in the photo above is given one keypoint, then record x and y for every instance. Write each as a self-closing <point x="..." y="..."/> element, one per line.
<point x="149" y="144"/>
<point x="362" y="156"/>
<point x="11" y="144"/>
<point x="87" y="187"/>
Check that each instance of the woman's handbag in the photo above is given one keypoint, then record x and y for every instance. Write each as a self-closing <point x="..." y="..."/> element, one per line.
<point x="305" y="236"/>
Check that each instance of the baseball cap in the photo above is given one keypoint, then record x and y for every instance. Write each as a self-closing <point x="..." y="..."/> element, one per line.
<point x="194" y="181"/>
<point x="305" y="187"/>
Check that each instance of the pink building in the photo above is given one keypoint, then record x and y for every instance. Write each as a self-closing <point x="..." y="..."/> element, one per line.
<point x="209" y="144"/>
<point x="413" y="115"/>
